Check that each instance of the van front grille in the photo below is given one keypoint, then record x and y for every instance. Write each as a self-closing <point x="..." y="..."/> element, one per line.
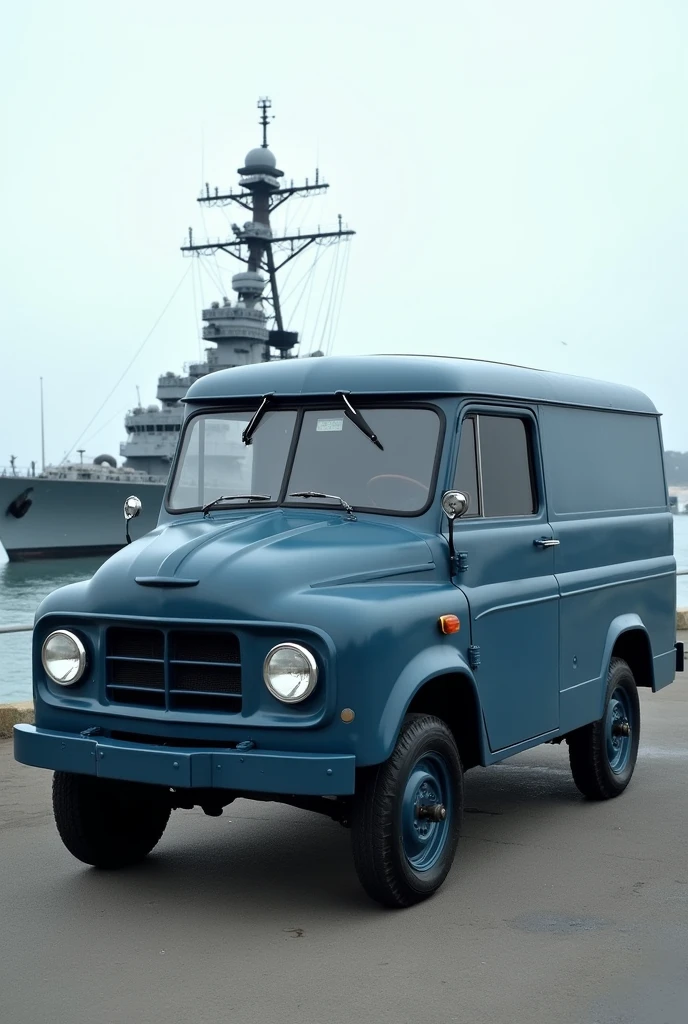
<point x="176" y="669"/>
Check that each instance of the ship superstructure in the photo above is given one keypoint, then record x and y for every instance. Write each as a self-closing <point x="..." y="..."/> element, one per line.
<point x="41" y="514"/>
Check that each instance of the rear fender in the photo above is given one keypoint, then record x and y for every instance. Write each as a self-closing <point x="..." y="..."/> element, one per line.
<point x="620" y="625"/>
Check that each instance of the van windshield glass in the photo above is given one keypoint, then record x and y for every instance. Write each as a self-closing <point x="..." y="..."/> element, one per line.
<point x="214" y="460"/>
<point x="332" y="456"/>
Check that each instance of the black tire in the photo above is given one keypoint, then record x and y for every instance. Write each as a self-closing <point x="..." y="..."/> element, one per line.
<point x="382" y="811"/>
<point x="107" y="823"/>
<point x="599" y="770"/>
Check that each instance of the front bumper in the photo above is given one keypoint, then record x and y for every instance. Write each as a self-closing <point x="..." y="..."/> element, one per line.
<point x="258" y="771"/>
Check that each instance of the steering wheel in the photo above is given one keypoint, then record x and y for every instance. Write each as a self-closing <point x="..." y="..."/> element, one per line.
<point x="396" y="476"/>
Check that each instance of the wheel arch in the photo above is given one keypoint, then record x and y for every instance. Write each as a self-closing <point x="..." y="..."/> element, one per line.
<point x="438" y="682"/>
<point x="629" y="640"/>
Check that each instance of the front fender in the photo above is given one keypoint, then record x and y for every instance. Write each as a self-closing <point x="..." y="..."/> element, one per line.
<point x="429" y="663"/>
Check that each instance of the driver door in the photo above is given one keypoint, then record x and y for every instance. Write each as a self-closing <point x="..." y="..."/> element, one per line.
<point x="508" y="550"/>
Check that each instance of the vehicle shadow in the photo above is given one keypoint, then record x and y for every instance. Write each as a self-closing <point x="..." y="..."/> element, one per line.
<point x="267" y="860"/>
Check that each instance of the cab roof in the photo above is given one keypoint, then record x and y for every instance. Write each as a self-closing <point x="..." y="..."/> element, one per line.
<point x="382" y="375"/>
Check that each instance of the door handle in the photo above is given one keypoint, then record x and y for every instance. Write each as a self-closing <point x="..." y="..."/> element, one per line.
<point x="546" y="542"/>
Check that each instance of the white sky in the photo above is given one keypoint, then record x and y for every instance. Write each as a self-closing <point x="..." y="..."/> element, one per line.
<point x="516" y="172"/>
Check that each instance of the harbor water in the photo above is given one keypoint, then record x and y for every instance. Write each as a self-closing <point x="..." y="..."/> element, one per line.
<point x="24" y="585"/>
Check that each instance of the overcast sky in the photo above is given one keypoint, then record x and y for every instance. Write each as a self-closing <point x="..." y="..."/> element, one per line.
<point x="516" y="172"/>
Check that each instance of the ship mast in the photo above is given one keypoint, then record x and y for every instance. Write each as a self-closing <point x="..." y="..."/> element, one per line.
<point x="255" y="245"/>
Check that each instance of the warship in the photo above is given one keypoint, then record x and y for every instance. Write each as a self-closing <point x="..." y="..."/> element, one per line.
<point x="74" y="509"/>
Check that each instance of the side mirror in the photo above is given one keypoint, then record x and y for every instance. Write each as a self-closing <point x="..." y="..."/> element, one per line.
<point x="454" y="504"/>
<point x="132" y="509"/>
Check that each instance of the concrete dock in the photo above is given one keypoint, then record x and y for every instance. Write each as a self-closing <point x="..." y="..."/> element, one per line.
<point x="557" y="911"/>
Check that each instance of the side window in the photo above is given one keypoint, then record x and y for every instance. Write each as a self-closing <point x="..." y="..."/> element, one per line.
<point x="494" y="466"/>
<point x="506" y="473"/>
<point x="466" y="476"/>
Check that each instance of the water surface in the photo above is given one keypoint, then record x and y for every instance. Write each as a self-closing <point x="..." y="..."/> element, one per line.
<point x="23" y="585"/>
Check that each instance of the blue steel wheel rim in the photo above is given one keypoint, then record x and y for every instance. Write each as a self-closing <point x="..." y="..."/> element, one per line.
<point x="428" y="783"/>
<point x="618" y="740"/>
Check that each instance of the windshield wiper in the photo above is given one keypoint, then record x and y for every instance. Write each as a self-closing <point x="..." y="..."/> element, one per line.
<point x="319" y="494"/>
<point x="252" y="424"/>
<point x="358" y="420"/>
<point x="234" y="497"/>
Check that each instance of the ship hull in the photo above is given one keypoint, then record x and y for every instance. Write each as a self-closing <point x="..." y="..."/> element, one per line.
<point x="71" y="518"/>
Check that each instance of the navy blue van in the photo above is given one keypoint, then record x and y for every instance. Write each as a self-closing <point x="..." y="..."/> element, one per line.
<point x="370" y="575"/>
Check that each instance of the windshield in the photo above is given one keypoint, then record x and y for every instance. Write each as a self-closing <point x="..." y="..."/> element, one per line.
<point x="332" y="455"/>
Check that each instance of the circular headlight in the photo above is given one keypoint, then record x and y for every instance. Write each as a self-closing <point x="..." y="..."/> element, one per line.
<point x="290" y="672"/>
<point x="63" y="657"/>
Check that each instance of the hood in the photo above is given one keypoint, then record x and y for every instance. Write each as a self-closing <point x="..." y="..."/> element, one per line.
<point x="244" y="566"/>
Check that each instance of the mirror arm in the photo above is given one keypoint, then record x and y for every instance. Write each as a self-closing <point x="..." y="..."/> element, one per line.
<point x="452" y="552"/>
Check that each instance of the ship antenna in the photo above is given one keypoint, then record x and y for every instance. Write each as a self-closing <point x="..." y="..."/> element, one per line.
<point x="264" y="105"/>
<point x="42" y="430"/>
<point x="255" y="245"/>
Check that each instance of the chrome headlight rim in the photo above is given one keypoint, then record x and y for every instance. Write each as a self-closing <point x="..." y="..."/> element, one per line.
<point x="312" y="672"/>
<point x="81" y="657"/>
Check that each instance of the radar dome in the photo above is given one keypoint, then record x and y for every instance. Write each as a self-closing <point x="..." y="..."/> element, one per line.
<point x="260" y="161"/>
<point x="260" y="158"/>
<point x="105" y="460"/>
<point x="152" y="408"/>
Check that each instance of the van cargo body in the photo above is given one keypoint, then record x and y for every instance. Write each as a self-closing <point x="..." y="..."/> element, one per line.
<point x="369" y="575"/>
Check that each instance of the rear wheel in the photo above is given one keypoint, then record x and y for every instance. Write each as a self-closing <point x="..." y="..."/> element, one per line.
<point x="407" y="814"/>
<point x="603" y="754"/>
<point x="107" y="823"/>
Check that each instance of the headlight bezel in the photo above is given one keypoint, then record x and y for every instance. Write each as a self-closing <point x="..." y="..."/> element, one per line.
<point x="313" y="671"/>
<point x="81" y="657"/>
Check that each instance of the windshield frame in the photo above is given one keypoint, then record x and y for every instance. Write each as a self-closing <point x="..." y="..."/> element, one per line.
<point x="321" y="404"/>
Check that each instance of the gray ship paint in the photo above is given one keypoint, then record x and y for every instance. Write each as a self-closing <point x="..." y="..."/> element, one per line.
<point x="75" y="509"/>
<point x="68" y="518"/>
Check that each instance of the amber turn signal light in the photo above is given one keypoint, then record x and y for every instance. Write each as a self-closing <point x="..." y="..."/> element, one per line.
<point x="449" y="623"/>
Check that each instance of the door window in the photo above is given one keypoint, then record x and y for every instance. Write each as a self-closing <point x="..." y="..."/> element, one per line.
<point x="495" y="466"/>
<point x="466" y="478"/>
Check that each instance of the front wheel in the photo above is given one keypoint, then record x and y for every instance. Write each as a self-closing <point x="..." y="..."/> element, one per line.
<point x="106" y="823"/>
<point x="407" y="814"/>
<point x="603" y="754"/>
